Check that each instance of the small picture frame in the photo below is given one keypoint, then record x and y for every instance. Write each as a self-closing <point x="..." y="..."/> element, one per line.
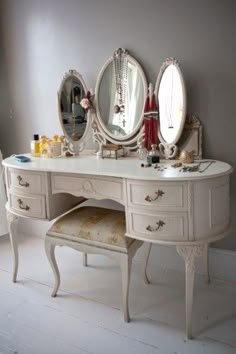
<point x="191" y="138"/>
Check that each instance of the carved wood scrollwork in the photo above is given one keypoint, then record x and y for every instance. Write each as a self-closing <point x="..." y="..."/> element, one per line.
<point x="11" y="217"/>
<point x="189" y="253"/>
<point x="88" y="187"/>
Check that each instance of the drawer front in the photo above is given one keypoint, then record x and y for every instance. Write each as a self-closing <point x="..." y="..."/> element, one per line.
<point x="158" y="196"/>
<point x="89" y="187"/>
<point x="161" y="226"/>
<point x="25" y="181"/>
<point x="32" y="205"/>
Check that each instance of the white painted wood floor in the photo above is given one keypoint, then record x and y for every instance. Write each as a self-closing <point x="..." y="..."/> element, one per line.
<point x="86" y="316"/>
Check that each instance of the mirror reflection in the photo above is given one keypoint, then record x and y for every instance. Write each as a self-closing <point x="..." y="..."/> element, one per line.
<point x="172" y="102"/>
<point x="120" y="95"/>
<point x="74" y="118"/>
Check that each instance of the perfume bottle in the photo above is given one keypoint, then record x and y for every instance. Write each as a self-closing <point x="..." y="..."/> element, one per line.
<point x="153" y="155"/>
<point x="142" y="152"/>
<point x="35" y="146"/>
<point x="42" y="145"/>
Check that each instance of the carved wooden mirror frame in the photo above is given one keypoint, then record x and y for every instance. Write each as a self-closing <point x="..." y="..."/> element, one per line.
<point x="73" y="146"/>
<point x="100" y="133"/>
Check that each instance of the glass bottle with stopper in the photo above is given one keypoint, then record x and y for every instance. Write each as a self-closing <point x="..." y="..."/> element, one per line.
<point x="153" y="155"/>
<point x="142" y="151"/>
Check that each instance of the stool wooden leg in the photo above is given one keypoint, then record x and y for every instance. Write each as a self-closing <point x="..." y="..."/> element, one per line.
<point x="125" y="265"/>
<point x="50" y="252"/>
<point x="147" y="250"/>
<point x="85" y="259"/>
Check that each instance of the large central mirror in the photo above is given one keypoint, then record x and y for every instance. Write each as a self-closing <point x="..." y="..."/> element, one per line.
<point x="73" y="117"/>
<point x="171" y="96"/>
<point x="120" y="93"/>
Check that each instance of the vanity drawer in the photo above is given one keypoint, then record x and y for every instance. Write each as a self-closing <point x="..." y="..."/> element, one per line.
<point x="26" y="181"/>
<point x="157" y="195"/>
<point x="31" y="205"/>
<point x="160" y="226"/>
<point x="89" y="187"/>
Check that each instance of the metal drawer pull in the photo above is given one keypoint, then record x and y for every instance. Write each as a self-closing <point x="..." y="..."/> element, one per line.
<point x="21" y="182"/>
<point x="159" y="194"/>
<point x="21" y="205"/>
<point x="160" y="223"/>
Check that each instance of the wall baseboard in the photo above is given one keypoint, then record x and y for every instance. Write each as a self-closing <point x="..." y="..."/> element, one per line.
<point x="222" y="263"/>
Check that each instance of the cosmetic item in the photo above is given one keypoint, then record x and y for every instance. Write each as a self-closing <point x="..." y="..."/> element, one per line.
<point x="142" y="152"/>
<point x="186" y="156"/>
<point x="35" y="146"/>
<point x="22" y="158"/>
<point x="48" y="148"/>
<point x="55" y="138"/>
<point x="42" y="145"/>
<point x="153" y="156"/>
<point x="55" y="148"/>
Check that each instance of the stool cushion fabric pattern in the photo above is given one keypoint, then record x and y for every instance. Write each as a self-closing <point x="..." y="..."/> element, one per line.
<point x="102" y="227"/>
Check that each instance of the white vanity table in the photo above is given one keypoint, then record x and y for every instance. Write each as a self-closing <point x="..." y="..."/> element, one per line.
<point x="192" y="210"/>
<point x="164" y="205"/>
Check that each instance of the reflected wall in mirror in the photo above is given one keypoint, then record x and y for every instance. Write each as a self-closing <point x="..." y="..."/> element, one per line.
<point x="171" y="96"/>
<point x="73" y="118"/>
<point x="120" y="92"/>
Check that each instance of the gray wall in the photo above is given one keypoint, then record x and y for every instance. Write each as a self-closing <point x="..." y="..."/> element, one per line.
<point x="43" y="39"/>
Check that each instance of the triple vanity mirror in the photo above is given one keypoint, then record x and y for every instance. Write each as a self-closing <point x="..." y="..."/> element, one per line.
<point x="120" y="95"/>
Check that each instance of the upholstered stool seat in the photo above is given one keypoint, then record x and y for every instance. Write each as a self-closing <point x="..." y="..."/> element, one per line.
<point x="94" y="230"/>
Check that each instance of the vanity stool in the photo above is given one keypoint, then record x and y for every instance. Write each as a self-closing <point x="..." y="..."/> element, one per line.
<point x="94" y="230"/>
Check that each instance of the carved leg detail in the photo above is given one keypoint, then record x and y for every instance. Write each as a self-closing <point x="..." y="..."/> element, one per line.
<point x="206" y="262"/>
<point x="12" y="225"/>
<point x="189" y="254"/>
<point x="147" y="250"/>
<point x="85" y="259"/>
<point x="50" y="252"/>
<point x="125" y="265"/>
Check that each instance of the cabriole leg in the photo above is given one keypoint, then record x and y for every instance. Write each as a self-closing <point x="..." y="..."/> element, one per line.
<point x="189" y="254"/>
<point x="50" y="252"/>
<point x="125" y="265"/>
<point x="12" y="225"/>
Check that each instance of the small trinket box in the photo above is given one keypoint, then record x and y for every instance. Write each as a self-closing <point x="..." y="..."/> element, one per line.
<point x="112" y="151"/>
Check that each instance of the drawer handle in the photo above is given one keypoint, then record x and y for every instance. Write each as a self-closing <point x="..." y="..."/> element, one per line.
<point x="160" y="223"/>
<point x="21" y="182"/>
<point x="159" y="194"/>
<point x="22" y="206"/>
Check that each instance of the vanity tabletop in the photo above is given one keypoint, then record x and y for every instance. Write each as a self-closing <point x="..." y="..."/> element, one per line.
<point x="126" y="167"/>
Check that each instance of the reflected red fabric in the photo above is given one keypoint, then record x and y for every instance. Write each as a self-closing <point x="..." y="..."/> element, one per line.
<point x="154" y="108"/>
<point x="150" y="122"/>
<point x="147" y="125"/>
